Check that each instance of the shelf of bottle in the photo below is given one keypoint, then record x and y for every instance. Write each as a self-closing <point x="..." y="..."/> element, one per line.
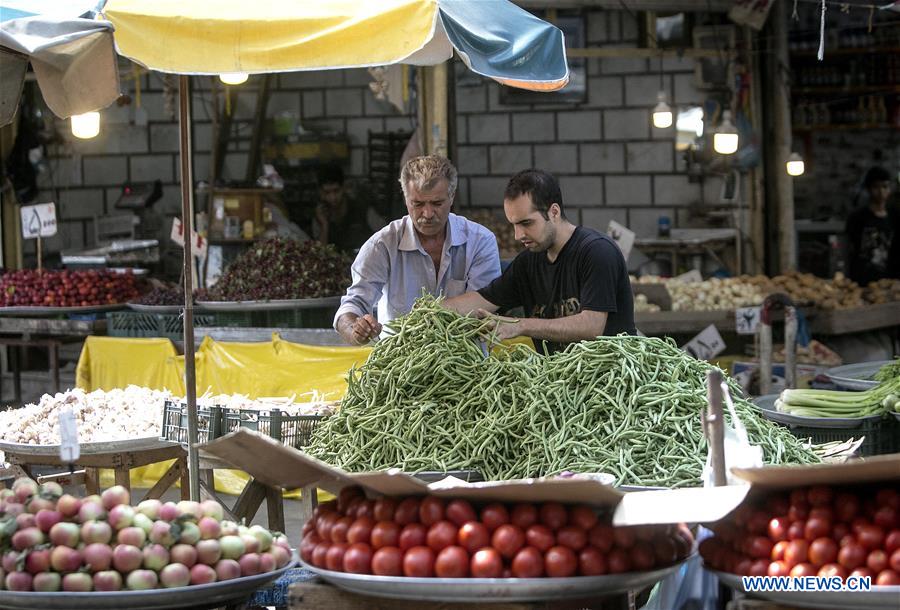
<point x="843" y="127"/>
<point x="848" y="51"/>
<point x="847" y="90"/>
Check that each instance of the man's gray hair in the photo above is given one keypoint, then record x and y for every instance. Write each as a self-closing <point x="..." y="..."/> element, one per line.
<point x="425" y="172"/>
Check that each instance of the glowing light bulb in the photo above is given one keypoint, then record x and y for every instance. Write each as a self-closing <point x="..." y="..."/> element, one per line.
<point x="233" y="78"/>
<point x="662" y="114"/>
<point x="795" y="165"/>
<point x="725" y="139"/>
<point x="86" y="125"/>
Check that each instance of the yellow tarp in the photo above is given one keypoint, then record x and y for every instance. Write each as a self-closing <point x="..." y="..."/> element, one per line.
<point x="107" y="363"/>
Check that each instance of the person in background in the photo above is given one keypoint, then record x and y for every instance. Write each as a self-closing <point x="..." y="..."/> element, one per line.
<point x="430" y="248"/>
<point x="339" y="218"/>
<point x="571" y="281"/>
<point x="873" y="232"/>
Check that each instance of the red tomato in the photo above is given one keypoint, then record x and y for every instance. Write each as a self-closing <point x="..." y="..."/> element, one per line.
<point x="334" y="557"/>
<point x="822" y="512"/>
<point x="618" y="561"/>
<point x="319" y="554"/>
<point x="591" y="562"/>
<point x="830" y="570"/>
<point x="601" y="537"/>
<point x="822" y="551"/>
<point x="352" y="505"/>
<point x="524" y="515"/>
<point x="888" y="497"/>
<point x="418" y="561"/>
<point x="412" y="534"/>
<point x="554" y="515"/>
<point x="778" y="505"/>
<point x="366" y="508"/>
<point x="407" y="511"/>
<point x="388" y="561"/>
<point x="846" y="506"/>
<point x="528" y="563"/>
<point x="760" y="567"/>
<point x="572" y="536"/>
<point x="798" y="512"/>
<point x="583" y="516"/>
<point x="460" y="512"/>
<point x="798" y="496"/>
<point x="871" y="536"/>
<point x="803" y="569"/>
<point x="385" y="533"/>
<point x="540" y="537"/>
<point x="816" y="527"/>
<point x="665" y="550"/>
<point x="452" y="562"/>
<point x="819" y="495"/>
<point x="384" y="509"/>
<point x="560" y="562"/>
<point x="742" y="567"/>
<point x="758" y="522"/>
<point x="308" y="545"/>
<point x="324" y="523"/>
<point x="346" y="495"/>
<point x="852" y="556"/>
<point x="887" y="578"/>
<point x="796" y="553"/>
<point x="886" y="517"/>
<point x="777" y="568"/>
<point x="431" y="510"/>
<point x="895" y="560"/>
<point x="361" y="530"/>
<point x="358" y="559"/>
<point x="642" y="556"/>
<point x="494" y="515"/>
<point x="840" y="530"/>
<point x="892" y="541"/>
<point x="797" y="530"/>
<point x="486" y="563"/>
<point x="441" y="535"/>
<point x="340" y="528"/>
<point x="778" y="529"/>
<point x="863" y="573"/>
<point x="778" y="550"/>
<point x="759" y="547"/>
<point x="508" y="539"/>
<point x="877" y="561"/>
<point x="847" y="539"/>
<point x="474" y="536"/>
<point x="624" y="537"/>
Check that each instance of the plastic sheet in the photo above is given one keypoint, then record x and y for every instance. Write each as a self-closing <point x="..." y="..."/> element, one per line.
<point x="107" y="363"/>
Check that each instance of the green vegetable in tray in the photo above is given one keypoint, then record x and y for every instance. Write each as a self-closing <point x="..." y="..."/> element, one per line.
<point x="831" y="403"/>
<point x="889" y="372"/>
<point x="428" y="399"/>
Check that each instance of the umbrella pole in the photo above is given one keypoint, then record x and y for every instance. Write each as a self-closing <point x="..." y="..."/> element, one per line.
<point x="187" y="223"/>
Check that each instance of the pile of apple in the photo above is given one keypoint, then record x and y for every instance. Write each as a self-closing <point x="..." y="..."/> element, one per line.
<point x="50" y="541"/>
<point x="67" y="288"/>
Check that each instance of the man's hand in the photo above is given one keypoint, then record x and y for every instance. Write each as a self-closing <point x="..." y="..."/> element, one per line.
<point x="503" y="328"/>
<point x="358" y="330"/>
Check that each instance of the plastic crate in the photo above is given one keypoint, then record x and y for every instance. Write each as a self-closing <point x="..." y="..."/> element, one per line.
<point x="882" y="435"/>
<point x="175" y="423"/>
<point x="292" y="430"/>
<point x="282" y="318"/>
<point x="146" y="325"/>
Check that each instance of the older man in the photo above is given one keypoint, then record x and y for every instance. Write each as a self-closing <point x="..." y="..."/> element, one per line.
<point x="430" y="248"/>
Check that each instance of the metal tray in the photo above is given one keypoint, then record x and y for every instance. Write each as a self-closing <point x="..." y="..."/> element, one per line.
<point x="270" y="305"/>
<point x="56" y="311"/>
<point x="856" y="376"/>
<point x="195" y="597"/>
<point x="766" y="404"/>
<point x="161" y="309"/>
<point x="877" y="597"/>
<point x="482" y="590"/>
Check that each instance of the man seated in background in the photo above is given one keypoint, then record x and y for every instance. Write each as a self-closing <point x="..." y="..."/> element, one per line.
<point x="340" y="219"/>
<point x="873" y="232"/>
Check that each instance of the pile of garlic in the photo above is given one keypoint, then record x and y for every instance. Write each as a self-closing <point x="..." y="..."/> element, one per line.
<point x="714" y="294"/>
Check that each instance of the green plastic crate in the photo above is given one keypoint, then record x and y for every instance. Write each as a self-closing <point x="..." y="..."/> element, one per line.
<point x="292" y="430"/>
<point x="146" y="325"/>
<point x="882" y="436"/>
<point x="286" y="318"/>
<point x="175" y="423"/>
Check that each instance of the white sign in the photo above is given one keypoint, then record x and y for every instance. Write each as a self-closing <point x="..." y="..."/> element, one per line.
<point x="622" y="235"/>
<point x="69" y="450"/>
<point x="198" y="244"/>
<point x="746" y="320"/>
<point x="38" y="220"/>
<point x="708" y="344"/>
<point x="691" y="277"/>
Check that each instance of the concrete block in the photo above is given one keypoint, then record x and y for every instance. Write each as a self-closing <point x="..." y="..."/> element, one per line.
<point x="61" y="172"/>
<point x="614" y="26"/>
<point x="642" y="91"/>
<point x="243" y="105"/>
<point x="605" y="92"/>
<point x="283" y="101"/>
<point x="557" y="158"/>
<point x="235" y="167"/>
<point x="114" y="139"/>
<point x="650" y="156"/>
<point x="533" y="127"/>
<point x="494" y="103"/>
<point x="462" y="129"/>
<point x="165" y="137"/>
<point x="507" y="160"/>
<point x="316" y="79"/>
<point x="203" y="137"/>
<point x="597" y="25"/>
<point x="630" y="27"/>
<point x="114" y="113"/>
<point x="623" y="65"/>
<point x="628" y="190"/>
<point x="357" y="77"/>
<point x="488" y="128"/>
<point x="678" y="64"/>
<point x="577" y="125"/>
<point x="358" y="130"/>
<point x="358" y="165"/>
<point x="486" y="192"/>
<point x="598" y="218"/>
<point x="602" y="158"/>
<point x="343" y="102"/>
<point x="147" y="168"/>
<point x="471" y="99"/>
<point x="593" y="66"/>
<point x="626" y="124"/>
<point x="645" y="221"/>
<point x="462" y="198"/>
<point x="399" y="123"/>
<point x="72" y="234"/>
<point x="333" y="126"/>
<point x="201" y="167"/>
<point x="313" y="104"/>
<point x="80" y="203"/>
<point x="712" y="189"/>
<point x="685" y="91"/>
<point x="675" y="190"/>
<point x="155" y="105"/>
<point x="375" y="107"/>
<point x="105" y="170"/>
<point x="581" y="191"/>
<point x="472" y="160"/>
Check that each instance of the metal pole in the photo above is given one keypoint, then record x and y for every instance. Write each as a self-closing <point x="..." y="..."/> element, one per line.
<point x="715" y="426"/>
<point x="781" y="104"/>
<point x="187" y="220"/>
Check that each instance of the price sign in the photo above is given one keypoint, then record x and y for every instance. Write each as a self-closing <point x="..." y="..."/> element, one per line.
<point x="198" y="244"/>
<point x="708" y="344"/>
<point x="69" y="450"/>
<point x="746" y="320"/>
<point x="38" y="220"/>
<point x="622" y="235"/>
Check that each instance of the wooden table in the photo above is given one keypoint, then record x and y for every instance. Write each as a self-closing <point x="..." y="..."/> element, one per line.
<point x="120" y="456"/>
<point x="250" y="499"/>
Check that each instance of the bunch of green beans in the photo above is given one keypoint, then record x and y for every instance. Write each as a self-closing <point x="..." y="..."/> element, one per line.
<point x="428" y="400"/>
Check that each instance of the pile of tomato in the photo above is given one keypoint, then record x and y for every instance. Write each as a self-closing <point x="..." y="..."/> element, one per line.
<point x="430" y="537"/>
<point x="815" y="531"/>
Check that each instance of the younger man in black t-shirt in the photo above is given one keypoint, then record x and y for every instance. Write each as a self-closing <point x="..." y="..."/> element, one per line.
<point x="571" y="281"/>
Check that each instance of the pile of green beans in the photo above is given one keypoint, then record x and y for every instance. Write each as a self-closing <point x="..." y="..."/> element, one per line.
<point x="428" y="400"/>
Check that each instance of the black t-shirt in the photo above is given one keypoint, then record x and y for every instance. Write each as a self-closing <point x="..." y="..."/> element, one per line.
<point x="589" y="274"/>
<point x="874" y="245"/>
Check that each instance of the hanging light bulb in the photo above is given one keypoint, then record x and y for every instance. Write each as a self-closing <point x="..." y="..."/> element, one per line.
<point x="662" y="114"/>
<point x="233" y="78"/>
<point x="86" y="125"/>
<point x="795" y="165"/>
<point x="725" y="140"/>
